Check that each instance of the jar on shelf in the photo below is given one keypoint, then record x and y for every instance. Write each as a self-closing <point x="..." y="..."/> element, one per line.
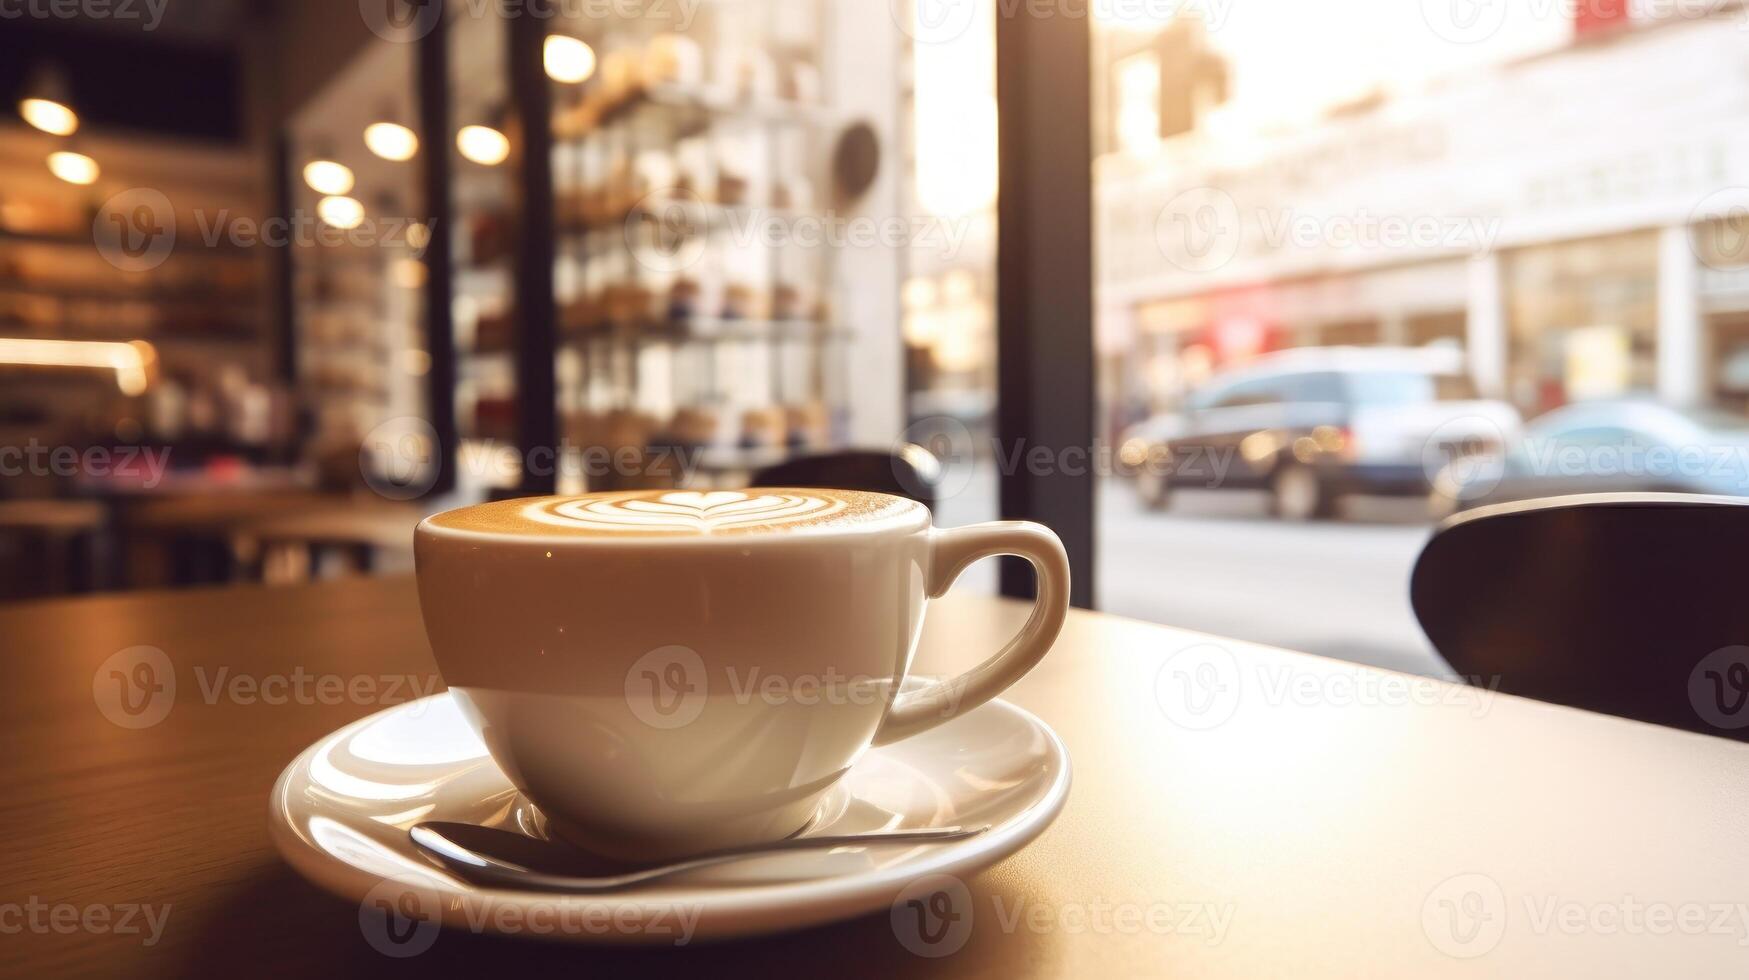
<point x="696" y="425"/>
<point x="765" y="427"/>
<point x="621" y="74"/>
<point x="807" y="425"/>
<point x="802" y="82"/>
<point x="673" y="60"/>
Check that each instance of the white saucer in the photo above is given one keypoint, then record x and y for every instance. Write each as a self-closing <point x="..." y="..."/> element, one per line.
<point x="340" y="814"/>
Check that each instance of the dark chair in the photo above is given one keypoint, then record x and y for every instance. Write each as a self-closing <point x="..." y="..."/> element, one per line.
<point x="1627" y="604"/>
<point x="50" y="547"/>
<point x="911" y="472"/>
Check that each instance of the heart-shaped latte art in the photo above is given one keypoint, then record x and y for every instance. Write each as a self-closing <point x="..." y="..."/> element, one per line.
<point x="684" y="510"/>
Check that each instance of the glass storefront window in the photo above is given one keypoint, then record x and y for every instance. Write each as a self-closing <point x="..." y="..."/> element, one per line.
<point x="948" y="301"/>
<point x="1474" y="223"/>
<point x="1583" y="320"/>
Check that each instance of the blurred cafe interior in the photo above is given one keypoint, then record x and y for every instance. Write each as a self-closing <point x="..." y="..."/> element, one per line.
<point x="277" y="279"/>
<point x="1368" y="360"/>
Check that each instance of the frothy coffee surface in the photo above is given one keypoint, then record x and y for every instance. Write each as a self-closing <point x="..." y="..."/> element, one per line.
<point x="685" y="513"/>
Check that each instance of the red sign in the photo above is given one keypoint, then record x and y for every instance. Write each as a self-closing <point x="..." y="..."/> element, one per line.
<point x="1596" y="16"/>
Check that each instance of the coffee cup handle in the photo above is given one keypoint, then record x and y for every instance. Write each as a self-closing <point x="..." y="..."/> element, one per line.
<point x="951" y="550"/>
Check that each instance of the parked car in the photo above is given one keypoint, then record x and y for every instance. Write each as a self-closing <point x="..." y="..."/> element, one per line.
<point x="1312" y="425"/>
<point x="1607" y="447"/>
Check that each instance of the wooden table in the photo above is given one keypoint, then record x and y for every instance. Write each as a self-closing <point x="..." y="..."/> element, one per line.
<point x="219" y="512"/>
<point x="375" y="524"/>
<point x="289" y="547"/>
<point x="62" y="538"/>
<point x="155" y="528"/>
<point x="1313" y="818"/>
<point x="51" y="516"/>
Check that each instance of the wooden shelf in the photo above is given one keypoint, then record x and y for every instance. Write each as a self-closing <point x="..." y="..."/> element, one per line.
<point x="706" y="215"/>
<point x="123" y="294"/>
<point x="707" y="330"/>
<point x="189" y="243"/>
<point x="44" y="238"/>
<point x="698" y="106"/>
<point x="16" y="331"/>
<point x="735" y="458"/>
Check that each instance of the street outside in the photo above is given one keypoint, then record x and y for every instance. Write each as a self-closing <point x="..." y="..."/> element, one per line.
<point x="1217" y="563"/>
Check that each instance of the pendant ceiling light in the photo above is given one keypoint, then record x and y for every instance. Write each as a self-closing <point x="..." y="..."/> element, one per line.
<point x="46" y="103"/>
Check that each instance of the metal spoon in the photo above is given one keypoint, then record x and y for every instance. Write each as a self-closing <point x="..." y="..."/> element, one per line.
<point x="488" y="856"/>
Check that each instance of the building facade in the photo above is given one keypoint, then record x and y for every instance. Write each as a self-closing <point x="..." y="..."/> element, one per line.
<point x="1578" y="222"/>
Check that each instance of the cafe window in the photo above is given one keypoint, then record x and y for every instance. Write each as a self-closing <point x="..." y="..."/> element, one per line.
<point x="1583" y="320"/>
<point x="1351" y="333"/>
<point x="1729" y="343"/>
<point x="1138" y="102"/>
<point x="948" y="296"/>
<point x="1436" y="328"/>
<point x="1446" y="227"/>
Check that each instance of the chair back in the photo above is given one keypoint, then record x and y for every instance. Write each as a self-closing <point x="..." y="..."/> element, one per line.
<point x="1626" y="604"/>
<point x="911" y="472"/>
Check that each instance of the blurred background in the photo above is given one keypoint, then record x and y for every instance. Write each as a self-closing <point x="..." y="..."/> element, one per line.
<point x="276" y="279"/>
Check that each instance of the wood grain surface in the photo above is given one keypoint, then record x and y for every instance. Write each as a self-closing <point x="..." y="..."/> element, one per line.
<point x="1289" y="816"/>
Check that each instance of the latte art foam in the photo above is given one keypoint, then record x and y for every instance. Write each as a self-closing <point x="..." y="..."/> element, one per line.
<point x="686" y="513"/>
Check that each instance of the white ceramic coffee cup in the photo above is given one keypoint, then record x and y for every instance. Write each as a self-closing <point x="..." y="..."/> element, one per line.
<point x="665" y="673"/>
